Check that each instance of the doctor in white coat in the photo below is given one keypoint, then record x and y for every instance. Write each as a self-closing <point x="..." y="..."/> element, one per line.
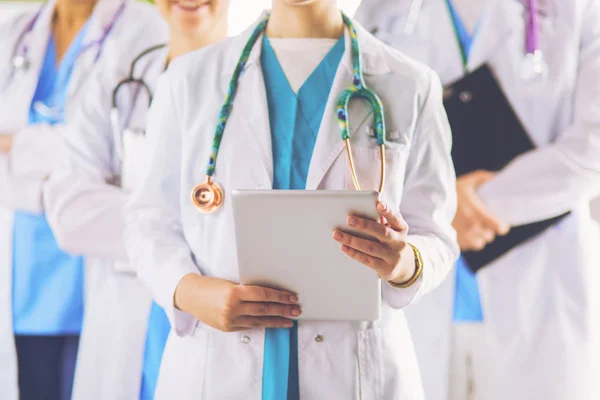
<point x="535" y="336"/>
<point x="31" y="152"/>
<point x="217" y="347"/>
<point x="123" y="339"/>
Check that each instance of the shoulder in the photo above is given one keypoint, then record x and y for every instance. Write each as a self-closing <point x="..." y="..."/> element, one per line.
<point x="201" y="59"/>
<point x="142" y="12"/>
<point x="203" y="67"/>
<point x="405" y="67"/>
<point x="400" y="70"/>
<point x="139" y="28"/>
<point x="141" y="21"/>
<point x="16" y="25"/>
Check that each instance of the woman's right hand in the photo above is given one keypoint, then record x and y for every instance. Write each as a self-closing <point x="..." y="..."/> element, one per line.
<point x="5" y="143"/>
<point x="230" y="307"/>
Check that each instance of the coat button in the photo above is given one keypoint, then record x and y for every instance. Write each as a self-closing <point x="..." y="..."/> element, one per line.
<point x="245" y="339"/>
<point x="318" y="338"/>
<point x="465" y="96"/>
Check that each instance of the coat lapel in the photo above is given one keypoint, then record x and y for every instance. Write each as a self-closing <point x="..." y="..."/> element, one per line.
<point x="498" y="21"/>
<point x="21" y="83"/>
<point x="250" y="108"/>
<point x="329" y="142"/>
<point x="105" y="16"/>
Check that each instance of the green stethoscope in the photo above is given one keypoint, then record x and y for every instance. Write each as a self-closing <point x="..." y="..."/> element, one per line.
<point x="208" y="195"/>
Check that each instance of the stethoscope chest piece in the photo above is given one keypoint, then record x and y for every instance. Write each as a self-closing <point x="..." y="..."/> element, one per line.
<point x="534" y="67"/>
<point x="207" y="196"/>
<point x="19" y="62"/>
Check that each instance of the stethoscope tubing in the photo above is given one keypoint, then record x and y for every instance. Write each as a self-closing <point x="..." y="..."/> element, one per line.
<point x="208" y="196"/>
<point x="532" y="45"/>
<point x="20" y="59"/>
<point x="131" y="79"/>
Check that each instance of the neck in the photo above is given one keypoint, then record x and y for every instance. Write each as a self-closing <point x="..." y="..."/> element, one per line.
<point x="73" y="13"/>
<point x="181" y="43"/>
<point x="314" y="19"/>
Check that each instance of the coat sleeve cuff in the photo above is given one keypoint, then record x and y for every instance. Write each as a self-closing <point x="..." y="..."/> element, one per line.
<point x="182" y="323"/>
<point x="401" y="297"/>
<point x="438" y="259"/>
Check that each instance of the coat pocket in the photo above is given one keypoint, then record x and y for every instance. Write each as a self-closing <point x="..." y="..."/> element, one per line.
<point x="183" y="367"/>
<point x="367" y="161"/>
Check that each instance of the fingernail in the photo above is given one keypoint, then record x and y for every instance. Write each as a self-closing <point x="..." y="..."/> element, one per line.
<point x="382" y="206"/>
<point x="352" y="221"/>
<point x="338" y="235"/>
<point x="288" y="324"/>
<point x="294" y="299"/>
<point x="345" y="248"/>
<point x="296" y="312"/>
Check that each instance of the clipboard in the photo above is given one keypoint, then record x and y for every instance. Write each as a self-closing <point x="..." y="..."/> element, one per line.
<point x="487" y="134"/>
<point x="284" y="240"/>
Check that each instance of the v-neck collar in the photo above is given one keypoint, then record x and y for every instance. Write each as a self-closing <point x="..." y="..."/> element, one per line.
<point x="295" y="119"/>
<point x="464" y="38"/>
<point x="331" y="58"/>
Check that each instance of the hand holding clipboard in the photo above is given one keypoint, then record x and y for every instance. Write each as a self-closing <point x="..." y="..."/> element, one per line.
<point x="487" y="135"/>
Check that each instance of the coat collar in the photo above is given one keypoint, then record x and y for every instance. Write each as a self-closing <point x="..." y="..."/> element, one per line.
<point x="372" y="55"/>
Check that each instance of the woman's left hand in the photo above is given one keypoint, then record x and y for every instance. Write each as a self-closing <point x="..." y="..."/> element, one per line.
<point x="390" y="256"/>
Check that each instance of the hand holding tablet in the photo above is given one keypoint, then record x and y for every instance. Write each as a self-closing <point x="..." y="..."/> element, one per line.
<point x="284" y="241"/>
<point x="390" y="255"/>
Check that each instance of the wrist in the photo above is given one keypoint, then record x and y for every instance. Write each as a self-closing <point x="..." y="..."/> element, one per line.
<point x="411" y="268"/>
<point x="5" y="143"/>
<point x="184" y="291"/>
<point x="407" y="266"/>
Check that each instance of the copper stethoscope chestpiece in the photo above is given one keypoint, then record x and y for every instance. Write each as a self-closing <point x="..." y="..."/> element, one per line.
<point x="207" y="196"/>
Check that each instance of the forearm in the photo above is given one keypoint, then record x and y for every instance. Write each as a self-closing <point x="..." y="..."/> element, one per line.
<point x="22" y="194"/>
<point x="162" y="258"/>
<point x="542" y="184"/>
<point x="87" y="217"/>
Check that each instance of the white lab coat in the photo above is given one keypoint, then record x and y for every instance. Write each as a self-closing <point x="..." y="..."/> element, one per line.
<point x="538" y="300"/>
<point x="35" y="150"/>
<point x="168" y="238"/>
<point x="85" y="210"/>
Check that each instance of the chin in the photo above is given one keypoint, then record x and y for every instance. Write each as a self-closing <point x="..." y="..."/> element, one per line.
<point x="191" y="9"/>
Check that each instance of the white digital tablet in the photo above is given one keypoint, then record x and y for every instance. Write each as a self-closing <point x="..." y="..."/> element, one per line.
<point x="285" y="241"/>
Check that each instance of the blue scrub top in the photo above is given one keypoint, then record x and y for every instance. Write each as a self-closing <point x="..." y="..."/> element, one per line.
<point x="156" y="338"/>
<point x="295" y="120"/>
<point x="47" y="294"/>
<point x="467" y="303"/>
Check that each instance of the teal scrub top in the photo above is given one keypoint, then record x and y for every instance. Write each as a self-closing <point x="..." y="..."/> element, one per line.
<point x="467" y="302"/>
<point x="295" y="120"/>
<point x="47" y="295"/>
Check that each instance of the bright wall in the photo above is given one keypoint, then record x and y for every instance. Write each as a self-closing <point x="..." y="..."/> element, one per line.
<point x="242" y="12"/>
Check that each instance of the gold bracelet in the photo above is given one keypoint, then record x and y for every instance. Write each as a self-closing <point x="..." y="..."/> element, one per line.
<point x="416" y="275"/>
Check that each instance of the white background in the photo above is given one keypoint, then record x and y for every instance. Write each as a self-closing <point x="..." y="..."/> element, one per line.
<point x="241" y="12"/>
